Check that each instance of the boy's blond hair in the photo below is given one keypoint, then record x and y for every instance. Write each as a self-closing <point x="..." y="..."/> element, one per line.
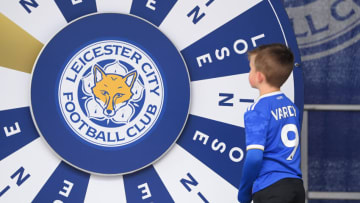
<point x="275" y="61"/>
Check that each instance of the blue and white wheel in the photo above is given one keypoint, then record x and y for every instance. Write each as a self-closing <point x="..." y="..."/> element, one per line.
<point x="186" y="67"/>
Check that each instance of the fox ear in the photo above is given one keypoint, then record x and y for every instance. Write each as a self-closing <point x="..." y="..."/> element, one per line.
<point x="130" y="78"/>
<point x="98" y="74"/>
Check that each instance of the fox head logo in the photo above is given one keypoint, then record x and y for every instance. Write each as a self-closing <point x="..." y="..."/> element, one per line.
<point x="112" y="91"/>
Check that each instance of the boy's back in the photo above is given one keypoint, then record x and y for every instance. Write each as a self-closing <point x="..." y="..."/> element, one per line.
<point x="273" y="123"/>
<point x="271" y="171"/>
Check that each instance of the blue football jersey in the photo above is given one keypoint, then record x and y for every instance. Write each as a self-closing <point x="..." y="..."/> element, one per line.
<point x="272" y="124"/>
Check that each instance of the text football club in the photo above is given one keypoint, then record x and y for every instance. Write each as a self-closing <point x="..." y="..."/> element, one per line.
<point x="110" y="93"/>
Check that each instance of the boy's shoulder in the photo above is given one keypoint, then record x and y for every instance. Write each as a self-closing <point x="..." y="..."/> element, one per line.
<point x="269" y="104"/>
<point x="264" y="103"/>
<point x="259" y="110"/>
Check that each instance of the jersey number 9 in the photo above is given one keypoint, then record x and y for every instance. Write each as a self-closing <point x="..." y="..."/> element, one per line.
<point x="290" y="143"/>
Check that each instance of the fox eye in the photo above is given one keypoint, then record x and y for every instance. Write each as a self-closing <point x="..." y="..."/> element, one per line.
<point x="103" y="92"/>
<point x="119" y="94"/>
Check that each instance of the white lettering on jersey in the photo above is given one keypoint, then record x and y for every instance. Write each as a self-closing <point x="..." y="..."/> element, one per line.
<point x="284" y="112"/>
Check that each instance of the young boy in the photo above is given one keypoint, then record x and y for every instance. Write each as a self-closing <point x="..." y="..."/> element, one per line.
<point x="271" y="172"/>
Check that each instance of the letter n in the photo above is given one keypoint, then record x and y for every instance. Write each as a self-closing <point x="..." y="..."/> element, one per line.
<point x="224" y="101"/>
<point x="20" y="174"/>
<point x="27" y="3"/>
<point x="186" y="182"/>
<point x="195" y="12"/>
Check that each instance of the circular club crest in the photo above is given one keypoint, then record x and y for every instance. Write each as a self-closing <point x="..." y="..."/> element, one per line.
<point x="110" y="93"/>
<point x="115" y="103"/>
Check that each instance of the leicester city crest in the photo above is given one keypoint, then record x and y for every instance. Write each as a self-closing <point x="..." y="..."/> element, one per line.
<point x="110" y="93"/>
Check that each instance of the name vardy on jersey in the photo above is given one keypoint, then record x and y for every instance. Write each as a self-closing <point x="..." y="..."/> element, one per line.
<point x="284" y="112"/>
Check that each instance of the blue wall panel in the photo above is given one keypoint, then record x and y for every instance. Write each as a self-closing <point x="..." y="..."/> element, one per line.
<point x="334" y="79"/>
<point x="334" y="161"/>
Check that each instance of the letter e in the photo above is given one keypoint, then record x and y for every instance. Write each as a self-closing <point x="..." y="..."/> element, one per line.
<point x="12" y="130"/>
<point x="201" y="137"/>
<point x="203" y="59"/>
<point x="65" y="191"/>
<point x="145" y="191"/>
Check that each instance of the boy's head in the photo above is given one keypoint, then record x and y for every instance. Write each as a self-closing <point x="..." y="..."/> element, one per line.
<point x="272" y="63"/>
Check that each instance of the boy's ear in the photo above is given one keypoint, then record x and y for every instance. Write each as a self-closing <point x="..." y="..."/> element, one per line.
<point x="98" y="73"/>
<point x="260" y="76"/>
<point x="130" y="78"/>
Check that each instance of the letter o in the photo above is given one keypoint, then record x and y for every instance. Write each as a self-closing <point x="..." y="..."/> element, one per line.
<point x="231" y="154"/>
<point x="244" y="50"/>
<point x="68" y="109"/>
<point x="72" y="117"/>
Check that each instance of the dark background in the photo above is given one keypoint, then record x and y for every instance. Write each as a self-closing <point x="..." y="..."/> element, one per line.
<point x="334" y="136"/>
